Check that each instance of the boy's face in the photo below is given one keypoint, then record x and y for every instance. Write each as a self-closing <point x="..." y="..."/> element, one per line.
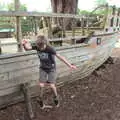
<point x="40" y="44"/>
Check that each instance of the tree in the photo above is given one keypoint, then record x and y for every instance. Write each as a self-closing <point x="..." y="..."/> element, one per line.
<point x="3" y="7"/>
<point x="26" y="24"/>
<point x="64" y="6"/>
<point x="82" y="12"/>
<point x="11" y="7"/>
<point x="100" y="2"/>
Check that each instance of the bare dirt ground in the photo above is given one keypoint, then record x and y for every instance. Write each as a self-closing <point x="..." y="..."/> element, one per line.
<point x="96" y="97"/>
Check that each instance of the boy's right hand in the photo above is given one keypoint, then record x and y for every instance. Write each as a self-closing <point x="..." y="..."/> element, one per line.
<point x="24" y="42"/>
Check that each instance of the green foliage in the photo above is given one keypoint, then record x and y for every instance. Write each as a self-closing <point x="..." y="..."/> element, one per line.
<point x="82" y="12"/>
<point x="25" y="26"/>
<point x="3" y="7"/>
<point x="12" y="8"/>
<point x="100" y="2"/>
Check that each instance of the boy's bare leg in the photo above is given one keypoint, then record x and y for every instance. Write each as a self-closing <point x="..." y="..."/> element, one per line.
<point x="54" y="89"/>
<point x="42" y="85"/>
<point x="56" y="100"/>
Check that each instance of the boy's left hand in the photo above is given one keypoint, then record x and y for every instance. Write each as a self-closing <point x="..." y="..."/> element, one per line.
<point x="73" y="67"/>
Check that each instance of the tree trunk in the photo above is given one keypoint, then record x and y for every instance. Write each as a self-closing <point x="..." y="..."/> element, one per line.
<point x="64" y="6"/>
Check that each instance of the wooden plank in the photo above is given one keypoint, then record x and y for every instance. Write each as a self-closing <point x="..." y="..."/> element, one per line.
<point x="16" y="97"/>
<point x="18" y="81"/>
<point x="37" y="14"/>
<point x="18" y="65"/>
<point x="75" y="60"/>
<point x="23" y="72"/>
<point x="0" y="47"/>
<point x="12" y="65"/>
<point x="26" y="91"/>
<point x="85" y="67"/>
<point x="16" y="88"/>
<point x="7" y="56"/>
<point x="30" y="70"/>
<point x="7" y="91"/>
<point x="19" y="59"/>
<point x="49" y="27"/>
<point x="18" y="26"/>
<point x="4" y="76"/>
<point x="58" y="49"/>
<point x="50" y="39"/>
<point x="11" y="83"/>
<point x="61" y="81"/>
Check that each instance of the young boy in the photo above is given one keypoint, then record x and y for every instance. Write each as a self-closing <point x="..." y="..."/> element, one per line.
<point x="46" y="54"/>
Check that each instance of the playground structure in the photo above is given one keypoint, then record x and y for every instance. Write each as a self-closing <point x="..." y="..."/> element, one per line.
<point x="87" y="46"/>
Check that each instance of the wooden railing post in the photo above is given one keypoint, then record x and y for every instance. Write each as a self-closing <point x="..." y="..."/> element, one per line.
<point x="82" y="26"/>
<point x="26" y="93"/>
<point x="73" y="32"/>
<point x="18" y="26"/>
<point x="36" y="25"/>
<point x="63" y="27"/>
<point x="0" y="48"/>
<point x="49" y="27"/>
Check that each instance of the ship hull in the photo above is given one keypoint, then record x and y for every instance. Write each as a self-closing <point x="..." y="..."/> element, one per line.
<point x="16" y="69"/>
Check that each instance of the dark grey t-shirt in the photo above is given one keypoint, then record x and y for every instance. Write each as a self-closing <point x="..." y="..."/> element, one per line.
<point x="47" y="58"/>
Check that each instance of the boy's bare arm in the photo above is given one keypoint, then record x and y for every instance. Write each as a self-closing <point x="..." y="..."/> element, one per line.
<point x="65" y="61"/>
<point x="27" y="46"/>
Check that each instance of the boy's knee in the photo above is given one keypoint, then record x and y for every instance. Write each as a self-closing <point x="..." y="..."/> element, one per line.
<point x="42" y="84"/>
<point x="52" y="85"/>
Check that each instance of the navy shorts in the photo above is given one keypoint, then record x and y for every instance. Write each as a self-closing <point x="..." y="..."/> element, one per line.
<point x="48" y="77"/>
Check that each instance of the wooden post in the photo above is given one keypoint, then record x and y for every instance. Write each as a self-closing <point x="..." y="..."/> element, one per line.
<point x="82" y="26"/>
<point x="63" y="27"/>
<point x="18" y="26"/>
<point x="35" y="25"/>
<point x="73" y="29"/>
<point x="49" y="27"/>
<point x="73" y="41"/>
<point x="0" y="48"/>
<point x="44" y="22"/>
<point x="26" y="92"/>
<point x="105" y="16"/>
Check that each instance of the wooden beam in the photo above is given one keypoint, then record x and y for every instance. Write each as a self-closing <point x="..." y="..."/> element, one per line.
<point x="82" y="26"/>
<point x="37" y="14"/>
<point x="49" y="27"/>
<point x="63" y="27"/>
<point x="0" y="48"/>
<point x="18" y="26"/>
<point x="27" y="97"/>
<point x="35" y="25"/>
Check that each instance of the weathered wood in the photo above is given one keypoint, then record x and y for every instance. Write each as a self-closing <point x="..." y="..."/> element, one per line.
<point x="0" y="48"/>
<point x="49" y="27"/>
<point x="36" y="25"/>
<point x="18" y="80"/>
<point x="95" y="28"/>
<point x="68" y="39"/>
<point x="18" y="59"/>
<point x="22" y="68"/>
<point x="27" y="97"/>
<point x="82" y="26"/>
<point x="18" y="26"/>
<point x="37" y="14"/>
<point x="18" y="65"/>
<point x="63" y="28"/>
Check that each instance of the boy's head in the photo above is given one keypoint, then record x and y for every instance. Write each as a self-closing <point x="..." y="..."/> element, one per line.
<point x="41" y="42"/>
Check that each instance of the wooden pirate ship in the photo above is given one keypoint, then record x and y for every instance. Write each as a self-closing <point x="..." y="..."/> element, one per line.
<point x="87" y="46"/>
